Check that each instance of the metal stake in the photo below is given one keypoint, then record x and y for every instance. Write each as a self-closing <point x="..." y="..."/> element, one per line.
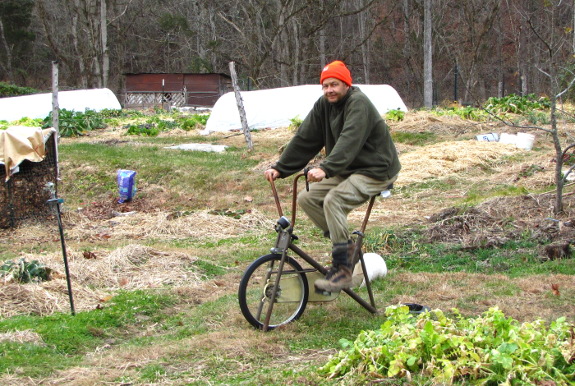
<point x="55" y="203"/>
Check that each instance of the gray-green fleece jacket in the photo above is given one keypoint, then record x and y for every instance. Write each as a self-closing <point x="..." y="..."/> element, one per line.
<point x="355" y="136"/>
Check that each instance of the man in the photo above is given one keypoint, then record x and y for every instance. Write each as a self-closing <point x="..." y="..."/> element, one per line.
<point x="361" y="161"/>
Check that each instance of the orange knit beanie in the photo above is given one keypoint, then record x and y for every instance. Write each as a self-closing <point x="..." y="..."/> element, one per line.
<point x="338" y="70"/>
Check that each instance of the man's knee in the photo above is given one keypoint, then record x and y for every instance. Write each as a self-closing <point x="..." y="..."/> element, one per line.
<point x="332" y="201"/>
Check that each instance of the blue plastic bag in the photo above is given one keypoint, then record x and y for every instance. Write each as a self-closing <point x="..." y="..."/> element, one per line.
<point x="126" y="185"/>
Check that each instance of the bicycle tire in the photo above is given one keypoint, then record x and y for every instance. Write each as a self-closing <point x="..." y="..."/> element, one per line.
<point x="257" y="284"/>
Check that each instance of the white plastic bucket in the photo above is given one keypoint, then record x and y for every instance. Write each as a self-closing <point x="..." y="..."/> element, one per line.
<point x="510" y="139"/>
<point x="525" y="141"/>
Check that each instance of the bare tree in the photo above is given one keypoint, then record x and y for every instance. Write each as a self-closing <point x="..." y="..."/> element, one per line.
<point x="427" y="56"/>
<point x="6" y="65"/>
<point x="552" y="47"/>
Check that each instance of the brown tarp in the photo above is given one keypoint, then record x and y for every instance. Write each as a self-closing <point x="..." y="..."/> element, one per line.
<point x="19" y="143"/>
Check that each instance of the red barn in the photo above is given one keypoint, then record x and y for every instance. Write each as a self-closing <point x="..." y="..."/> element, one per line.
<point x="184" y="89"/>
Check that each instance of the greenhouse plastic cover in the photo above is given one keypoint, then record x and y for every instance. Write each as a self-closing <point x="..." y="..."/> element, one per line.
<point x="275" y="108"/>
<point x="40" y="105"/>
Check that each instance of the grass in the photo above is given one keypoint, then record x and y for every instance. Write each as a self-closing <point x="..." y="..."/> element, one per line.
<point x="66" y="338"/>
<point x="178" y="170"/>
<point x="415" y="139"/>
<point x="195" y="334"/>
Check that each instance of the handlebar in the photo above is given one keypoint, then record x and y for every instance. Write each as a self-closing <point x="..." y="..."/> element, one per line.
<point x="294" y="196"/>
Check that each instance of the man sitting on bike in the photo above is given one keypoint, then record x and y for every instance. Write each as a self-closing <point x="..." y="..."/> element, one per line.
<point x="361" y="161"/>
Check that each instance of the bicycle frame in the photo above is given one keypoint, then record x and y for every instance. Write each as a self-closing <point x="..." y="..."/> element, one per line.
<point x="284" y="243"/>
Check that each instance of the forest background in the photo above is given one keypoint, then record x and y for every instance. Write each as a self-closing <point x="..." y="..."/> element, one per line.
<point x="479" y="48"/>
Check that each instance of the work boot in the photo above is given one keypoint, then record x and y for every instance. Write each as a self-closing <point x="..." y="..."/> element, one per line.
<point x="339" y="275"/>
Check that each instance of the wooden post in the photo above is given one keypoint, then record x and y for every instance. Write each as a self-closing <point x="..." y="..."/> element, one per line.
<point x="55" y="106"/>
<point x="241" y="110"/>
<point x="56" y="113"/>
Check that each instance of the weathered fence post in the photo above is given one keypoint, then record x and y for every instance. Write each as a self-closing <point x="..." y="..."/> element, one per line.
<point x="241" y="110"/>
<point x="55" y="106"/>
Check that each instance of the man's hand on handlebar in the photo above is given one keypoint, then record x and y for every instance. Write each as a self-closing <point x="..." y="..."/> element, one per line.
<point x="315" y="175"/>
<point x="271" y="174"/>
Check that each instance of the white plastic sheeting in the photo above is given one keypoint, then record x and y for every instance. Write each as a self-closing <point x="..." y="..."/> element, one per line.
<point x="275" y="108"/>
<point x="40" y="105"/>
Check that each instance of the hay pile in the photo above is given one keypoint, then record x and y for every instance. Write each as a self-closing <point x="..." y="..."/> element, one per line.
<point x="169" y="226"/>
<point x="449" y="158"/>
<point x="95" y="276"/>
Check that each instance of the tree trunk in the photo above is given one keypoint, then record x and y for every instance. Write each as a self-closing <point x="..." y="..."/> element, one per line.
<point x="75" y="45"/>
<point x="365" y="47"/>
<point x="500" y="68"/>
<point x="427" y="56"/>
<point x="104" y="38"/>
<point x="8" y="66"/>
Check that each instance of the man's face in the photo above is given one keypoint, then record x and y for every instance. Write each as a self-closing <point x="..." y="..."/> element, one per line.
<point x="334" y="89"/>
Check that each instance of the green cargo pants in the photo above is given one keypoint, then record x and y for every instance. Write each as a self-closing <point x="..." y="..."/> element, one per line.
<point x="329" y="201"/>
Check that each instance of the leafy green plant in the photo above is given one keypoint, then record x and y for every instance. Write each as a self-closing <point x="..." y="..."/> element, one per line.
<point x="295" y="123"/>
<point x="465" y="112"/>
<point x="191" y="122"/>
<point x="516" y="104"/>
<point x="471" y="113"/>
<point x="490" y="349"/>
<point x="120" y="113"/>
<point x="156" y="124"/>
<point x="11" y="90"/>
<point x="162" y="124"/>
<point x="76" y="123"/>
<point x="28" y="122"/>
<point x="145" y="129"/>
<point x="395" y="115"/>
<point x="23" y="271"/>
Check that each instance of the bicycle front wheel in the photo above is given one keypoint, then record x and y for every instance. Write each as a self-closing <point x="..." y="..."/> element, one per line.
<point x="257" y="286"/>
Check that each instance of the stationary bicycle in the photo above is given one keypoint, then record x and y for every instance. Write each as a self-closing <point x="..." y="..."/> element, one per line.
<point x="275" y="289"/>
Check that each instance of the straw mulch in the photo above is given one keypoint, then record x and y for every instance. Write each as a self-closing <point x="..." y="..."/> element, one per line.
<point x="22" y="336"/>
<point x="95" y="276"/>
<point x="418" y="121"/>
<point x="449" y="158"/>
<point x="168" y="226"/>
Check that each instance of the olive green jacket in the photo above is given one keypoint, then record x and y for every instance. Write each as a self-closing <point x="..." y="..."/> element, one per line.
<point x="355" y="137"/>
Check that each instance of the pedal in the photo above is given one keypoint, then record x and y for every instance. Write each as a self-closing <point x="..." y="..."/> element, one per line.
<point x="322" y="292"/>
